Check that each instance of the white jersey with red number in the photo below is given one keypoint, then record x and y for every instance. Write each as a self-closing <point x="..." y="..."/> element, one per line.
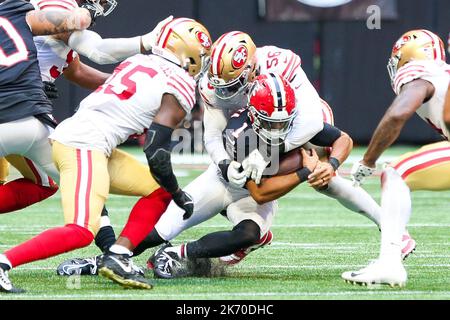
<point x="126" y="104"/>
<point x="54" y="55"/>
<point x="270" y="59"/>
<point x="438" y="74"/>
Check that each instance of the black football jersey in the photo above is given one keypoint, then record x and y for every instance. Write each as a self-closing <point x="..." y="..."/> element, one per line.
<point x="21" y="89"/>
<point x="240" y="139"/>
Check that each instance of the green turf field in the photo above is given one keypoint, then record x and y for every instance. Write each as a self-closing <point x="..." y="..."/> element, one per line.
<point x="315" y="240"/>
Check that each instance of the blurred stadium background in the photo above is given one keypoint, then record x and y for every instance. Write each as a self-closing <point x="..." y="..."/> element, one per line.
<point x="341" y="56"/>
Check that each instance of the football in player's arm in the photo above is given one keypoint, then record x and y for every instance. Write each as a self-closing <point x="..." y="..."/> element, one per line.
<point x="317" y="174"/>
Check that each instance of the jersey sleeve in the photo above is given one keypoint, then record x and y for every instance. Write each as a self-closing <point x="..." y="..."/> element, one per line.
<point x="183" y="88"/>
<point x="410" y="72"/>
<point x="55" y="5"/>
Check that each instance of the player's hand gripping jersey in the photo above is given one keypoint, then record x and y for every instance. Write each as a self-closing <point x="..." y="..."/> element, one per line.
<point x="126" y="104"/>
<point x="438" y="74"/>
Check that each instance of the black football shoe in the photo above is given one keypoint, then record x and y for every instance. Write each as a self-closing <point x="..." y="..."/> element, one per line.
<point x="78" y="266"/>
<point x="152" y="260"/>
<point x="5" y="284"/>
<point x="168" y="265"/>
<point x="121" y="269"/>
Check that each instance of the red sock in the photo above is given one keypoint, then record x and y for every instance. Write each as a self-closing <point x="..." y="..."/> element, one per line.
<point x="145" y="214"/>
<point x="21" y="193"/>
<point x="50" y="243"/>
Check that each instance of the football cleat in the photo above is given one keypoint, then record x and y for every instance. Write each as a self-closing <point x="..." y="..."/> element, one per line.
<point x="378" y="272"/>
<point x="5" y="284"/>
<point x="168" y="265"/>
<point x="408" y="245"/>
<point x="121" y="269"/>
<point x="78" y="266"/>
<point x="238" y="256"/>
<point x="151" y="261"/>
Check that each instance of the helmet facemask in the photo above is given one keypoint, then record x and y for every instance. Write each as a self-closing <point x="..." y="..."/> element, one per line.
<point x="272" y="130"/>
<point x="393" y="66"/>
<point x="101" y="8"/>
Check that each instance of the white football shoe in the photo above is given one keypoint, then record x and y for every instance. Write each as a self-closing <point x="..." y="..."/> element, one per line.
<point x="379" y="272"/>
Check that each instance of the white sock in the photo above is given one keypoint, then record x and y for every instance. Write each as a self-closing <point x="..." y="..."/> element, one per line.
<point x="118" y="249"/>
<point x="181" y="250"/>
<point x="104" y="221"/>
<point x="353" y="198"/>
<point x="395" y="213"/>
<point x="5" y="260"/>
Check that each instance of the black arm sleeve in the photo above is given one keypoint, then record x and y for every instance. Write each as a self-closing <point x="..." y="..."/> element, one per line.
<point x="327" y="136"/>
<point x="157" y="151"/>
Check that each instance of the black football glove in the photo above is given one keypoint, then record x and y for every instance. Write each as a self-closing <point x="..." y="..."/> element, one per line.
<point x="51" y="91"/>
<point x="185" y="202"/>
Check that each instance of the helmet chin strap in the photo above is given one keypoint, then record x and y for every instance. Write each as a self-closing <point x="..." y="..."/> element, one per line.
<point x="166" y="54"/>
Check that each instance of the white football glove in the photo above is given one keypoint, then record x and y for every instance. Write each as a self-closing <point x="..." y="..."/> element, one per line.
<point x="149" y="39"/>
<point x="359" y="172"/>
<point x="235" y="177"/>
<point x="254" y="166"/>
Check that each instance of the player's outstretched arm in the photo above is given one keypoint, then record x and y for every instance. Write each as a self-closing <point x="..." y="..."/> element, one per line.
<point x="103" y="51"/>
<point x="275" y="187"/>
<point x="157" y="151"/>
<point x="84" y="75"/>
<point x="411" y="97"/>
<point x="54" y="22"/>
<point x="447" y="109"/>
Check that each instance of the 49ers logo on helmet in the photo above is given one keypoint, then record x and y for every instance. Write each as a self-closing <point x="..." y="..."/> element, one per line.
<point x="401" y="42"/>
<point x="205" y="41"/>
<point x="239" y="57"/>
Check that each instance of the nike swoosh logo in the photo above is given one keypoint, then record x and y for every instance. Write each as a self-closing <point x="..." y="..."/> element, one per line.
<point x="124" y="267"/>
<point x="68" y="269"/>
<point x="355" y="274"/>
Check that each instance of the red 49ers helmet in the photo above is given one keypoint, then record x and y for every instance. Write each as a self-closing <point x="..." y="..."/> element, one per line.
<point x="272" y="108"/>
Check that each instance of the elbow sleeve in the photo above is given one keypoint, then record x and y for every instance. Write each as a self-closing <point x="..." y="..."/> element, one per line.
<point x="157" y="151"/>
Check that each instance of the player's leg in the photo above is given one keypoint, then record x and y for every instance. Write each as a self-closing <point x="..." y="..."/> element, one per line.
<point x="127" y="177"/>
<point x="35" y="186"/>
<point x="84" y="189"/>
<point x="353" y="198"/>
<point x="28" y="137"/>
<point x="251" y="222"/>
<point x="425" y="169"/>
<point x="210" y="197"/>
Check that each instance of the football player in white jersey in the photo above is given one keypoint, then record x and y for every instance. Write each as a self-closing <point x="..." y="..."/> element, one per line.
<point x="272" y="108"/>
<point x="235" y="61"/>
<point x="420" y="79"/>
<point x="58" y="55"/>
<point x="153" y="92"/>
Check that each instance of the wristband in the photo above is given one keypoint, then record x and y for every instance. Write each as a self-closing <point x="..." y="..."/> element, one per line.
<point x="334" y="163"/>
<point x="303" y="174"/>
